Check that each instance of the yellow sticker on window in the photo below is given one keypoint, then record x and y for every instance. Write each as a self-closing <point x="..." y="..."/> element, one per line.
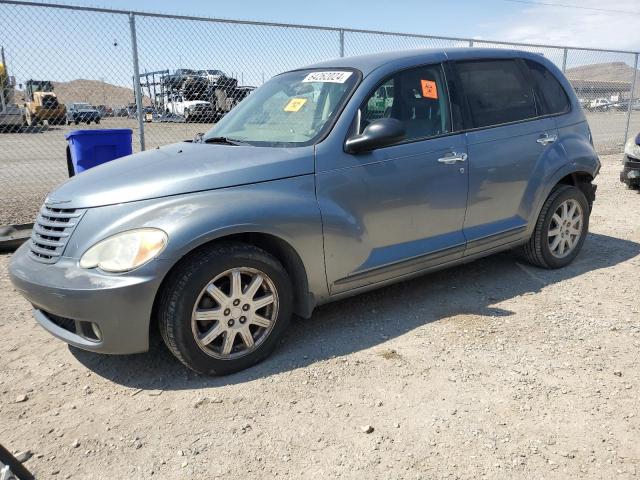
<point x="295" y="104"/>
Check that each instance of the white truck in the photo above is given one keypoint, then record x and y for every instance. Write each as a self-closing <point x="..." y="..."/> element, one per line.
<point x="10" y="113"/>
<point x="191" y="110"/>
<point x="600" y="105"/>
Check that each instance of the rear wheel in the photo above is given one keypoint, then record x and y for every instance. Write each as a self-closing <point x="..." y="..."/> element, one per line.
<point x="225" y="308"/>
<point x="561" y="228"/>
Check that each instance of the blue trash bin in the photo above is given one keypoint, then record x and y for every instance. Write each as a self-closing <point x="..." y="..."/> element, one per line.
<point x="88" y="148"/>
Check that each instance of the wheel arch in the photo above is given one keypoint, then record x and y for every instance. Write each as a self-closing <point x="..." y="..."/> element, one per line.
<point x="282" y="250"/>
<point x="583" y="181"/>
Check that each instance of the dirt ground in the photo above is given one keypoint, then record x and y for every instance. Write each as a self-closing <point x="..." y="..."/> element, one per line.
<point x="494" y="369"/>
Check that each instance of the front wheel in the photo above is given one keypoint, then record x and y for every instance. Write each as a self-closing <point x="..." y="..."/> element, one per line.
<point x="561" y="228"/>
<point x="225" y="308"/>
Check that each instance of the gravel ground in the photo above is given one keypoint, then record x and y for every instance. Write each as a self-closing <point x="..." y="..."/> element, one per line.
<point x="33" y="161"/>
<point x="493" y="369"/>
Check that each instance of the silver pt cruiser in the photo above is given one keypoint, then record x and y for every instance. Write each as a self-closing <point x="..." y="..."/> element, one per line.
<point x="325" y="182"/>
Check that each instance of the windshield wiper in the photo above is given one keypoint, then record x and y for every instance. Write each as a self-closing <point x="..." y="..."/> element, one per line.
<point x="225" y="140"/>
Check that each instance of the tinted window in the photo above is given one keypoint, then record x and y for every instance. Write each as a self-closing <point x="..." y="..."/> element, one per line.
<point x="496" y="91"/>
<point x="548" y="87"/>
<point x="416" y="97"/>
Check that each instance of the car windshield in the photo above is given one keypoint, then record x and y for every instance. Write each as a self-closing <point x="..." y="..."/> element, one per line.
<point x="82" y="106"/>
<point x="292" y="109"/>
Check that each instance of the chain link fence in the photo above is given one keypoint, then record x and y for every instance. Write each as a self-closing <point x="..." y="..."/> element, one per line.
<point x="170" y="77"/>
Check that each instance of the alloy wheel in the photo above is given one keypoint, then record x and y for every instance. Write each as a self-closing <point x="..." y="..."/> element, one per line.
<point x="235" y="313"/>
<point x="565" y="228"/>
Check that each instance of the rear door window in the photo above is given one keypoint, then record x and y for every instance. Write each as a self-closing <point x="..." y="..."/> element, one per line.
<point x="552" y="94"/>
<point x="497" y="92"/>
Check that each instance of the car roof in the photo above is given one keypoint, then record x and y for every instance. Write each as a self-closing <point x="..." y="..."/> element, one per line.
<point x="368" y="63"/>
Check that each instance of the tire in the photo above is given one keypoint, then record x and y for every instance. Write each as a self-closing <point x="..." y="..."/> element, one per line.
<point x="77" y="122"/>
<point x="187" y="290"/>
<point x="98" y="121"/>
<point x="538" y="249"/>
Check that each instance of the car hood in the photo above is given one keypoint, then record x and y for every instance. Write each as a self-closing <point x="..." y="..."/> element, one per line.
<point x="177" y="169"/>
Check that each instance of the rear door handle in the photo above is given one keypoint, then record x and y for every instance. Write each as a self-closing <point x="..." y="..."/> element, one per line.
<point x="547" y="139"/>
<point x="453" y="157"/>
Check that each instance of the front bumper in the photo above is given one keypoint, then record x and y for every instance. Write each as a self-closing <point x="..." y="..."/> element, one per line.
<point x="68" y="300"/>
<point x="630" y="173"/>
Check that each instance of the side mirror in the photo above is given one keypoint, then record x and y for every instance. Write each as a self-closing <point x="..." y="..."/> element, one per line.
<point x="379" y="133"/>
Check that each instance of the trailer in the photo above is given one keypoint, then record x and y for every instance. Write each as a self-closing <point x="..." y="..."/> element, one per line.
<point x="192" y="95"/>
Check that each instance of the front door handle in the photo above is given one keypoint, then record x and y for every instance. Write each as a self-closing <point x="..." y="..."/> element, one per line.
<point x="453" y="157"/>
<point x="547" y="139"/>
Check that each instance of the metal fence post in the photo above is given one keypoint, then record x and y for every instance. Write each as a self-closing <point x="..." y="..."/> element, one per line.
<point x="341" y="43"/>
<point x="136" y="79"/>
<point x="564" y="60"/>
<point x="470" y="43"/>
<point x="631" y="95"/>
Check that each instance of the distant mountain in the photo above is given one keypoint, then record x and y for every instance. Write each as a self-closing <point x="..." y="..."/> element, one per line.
<point x="92" y="91"/>
<point x="603" y="72"/>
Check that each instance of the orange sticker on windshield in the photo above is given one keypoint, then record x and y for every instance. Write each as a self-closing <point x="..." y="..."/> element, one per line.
<point x="429" y="89"/>
<point x="295" y="104"/>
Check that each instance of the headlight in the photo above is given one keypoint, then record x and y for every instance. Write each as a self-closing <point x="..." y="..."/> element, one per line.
<point x="125" y="251"/>
<point x="632" y="149"/>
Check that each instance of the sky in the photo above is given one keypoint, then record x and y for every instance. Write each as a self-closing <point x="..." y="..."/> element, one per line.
<point x="590" y="23"/>
<point x="63" y="45"/>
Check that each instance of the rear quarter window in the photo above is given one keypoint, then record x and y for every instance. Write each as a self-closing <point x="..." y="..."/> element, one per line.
<point x="551" y="92"/>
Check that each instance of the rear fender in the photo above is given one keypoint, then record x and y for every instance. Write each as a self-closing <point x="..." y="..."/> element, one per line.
<point x="571" y="156"/>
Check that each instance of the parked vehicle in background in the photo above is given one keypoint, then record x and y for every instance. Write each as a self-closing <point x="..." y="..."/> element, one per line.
<point x="10" y="113"/>
<point x="179" y="76"/>
<point x="630" y="174"/>
<point x="303" y="195"/>
<point x="42" y="104"/>
<point x="623" y="105"/>
<point x="120" y="111"/>
<point x="216" y="77"/>
<point x="381" y="100"/>
<point x="149" y="114"/>
<point x="191" y="110"/>
<point x="105" y="111"/>
<point x="132" y="110"/>
<point x="600" y="105"/>
<point x="82" y="113"/>
<point x="242" y="92"/>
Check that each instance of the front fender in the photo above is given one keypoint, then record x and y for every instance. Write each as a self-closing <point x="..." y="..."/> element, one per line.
<point x="286" y="209"/>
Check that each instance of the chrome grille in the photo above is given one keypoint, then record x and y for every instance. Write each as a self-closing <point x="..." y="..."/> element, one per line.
<point x="51" y="232"/>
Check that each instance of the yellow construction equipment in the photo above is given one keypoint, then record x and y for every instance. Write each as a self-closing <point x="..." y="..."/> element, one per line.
<point x="42" y="104"/>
